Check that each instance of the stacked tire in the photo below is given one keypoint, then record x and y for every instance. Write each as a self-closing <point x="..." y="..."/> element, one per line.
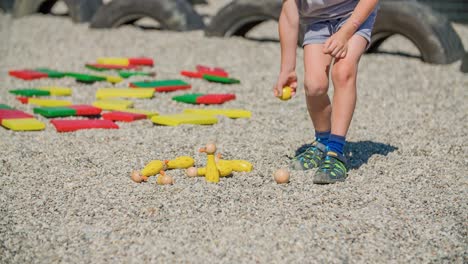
<point x="430" y="31"/>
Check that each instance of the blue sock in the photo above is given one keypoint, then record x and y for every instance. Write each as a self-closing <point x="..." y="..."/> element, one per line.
<point x="322" y="137"/>
<point x="336" y="143"/>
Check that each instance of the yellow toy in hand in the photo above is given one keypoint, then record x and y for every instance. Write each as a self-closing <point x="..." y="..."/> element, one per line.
<point x="287" y="93"/>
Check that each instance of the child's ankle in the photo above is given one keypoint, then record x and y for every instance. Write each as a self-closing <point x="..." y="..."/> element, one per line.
<point x="336" y="143"/>
<point x="322" y="137"/>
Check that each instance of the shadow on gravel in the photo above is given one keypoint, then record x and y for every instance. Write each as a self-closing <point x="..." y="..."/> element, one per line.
<point x="358" y="153"/>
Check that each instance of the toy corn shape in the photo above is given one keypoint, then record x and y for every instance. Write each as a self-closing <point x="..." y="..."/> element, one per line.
<point x="153" y="168"/>
<point x="182" y="162"/>
<point x="164" y="179"/>
<point x="212" y="173"/>
<point x="224" y="171"/>
<point x="236" y="165"/>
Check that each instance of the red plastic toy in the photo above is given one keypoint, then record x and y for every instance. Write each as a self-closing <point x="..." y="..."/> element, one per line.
<point x="23" y="100"/>
<point x="112" y="67"/>
<point x="215" y="98"/>
<point x="11" y="113"/>
<point x="191" y="74"/>
<point x="68" y="125"/>
<point x="27" y="74"/>
<point x="212" y="71"/>
<point x="141" y="61"/>
<point x="86" y="110"/>
<point x="201" y="70"/>
<point x="123" y="116"/>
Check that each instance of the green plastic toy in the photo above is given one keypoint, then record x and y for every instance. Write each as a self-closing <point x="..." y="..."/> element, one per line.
<point x="187" y="98"/>
<point x="55" y="111"/>
<point x="4" y="106"/>
<point x="127" y="74"/>
<point x="30" y="92"/>
<point x="51" y="73"/>
<point x="219" y="79"/>
<point x="85" y="78"/>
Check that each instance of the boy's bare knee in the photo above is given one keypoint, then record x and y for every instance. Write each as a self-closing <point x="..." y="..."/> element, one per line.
<point x="315" y="87"/>
<point x="343" y="74"/>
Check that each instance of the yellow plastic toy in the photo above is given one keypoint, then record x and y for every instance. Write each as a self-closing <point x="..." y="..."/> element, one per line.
<point x="104" y="93"/>
<point x="182" y="162"/>
<point x="152" y="168"/>
<point x="236" y="165"/>
<point x="224" y="171"/>
<point x="113" y="104"/>
<point x="113" y="79"/>
<point x="148" y="114"/>
<point x="48" y="102"/>
<point x="231" y="113"/>
<point x="113" y="61"/>
<point x="57" y="91"/>
<point x="287" y="94"/>
<point x="212" y="172"/>
<point x="23" y="124"/>
<point x="179" y="119"/>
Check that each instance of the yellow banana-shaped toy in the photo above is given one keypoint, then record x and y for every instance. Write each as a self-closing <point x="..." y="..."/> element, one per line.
<point x="182" y="162"/>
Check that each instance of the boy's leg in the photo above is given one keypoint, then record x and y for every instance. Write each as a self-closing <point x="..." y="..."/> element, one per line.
<point x="344" y="75"/>
<point x="317" y="65"/>
<point x="317" y="68"/>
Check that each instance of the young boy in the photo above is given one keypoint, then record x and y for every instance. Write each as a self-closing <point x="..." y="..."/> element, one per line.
<point x="338" y="32"/>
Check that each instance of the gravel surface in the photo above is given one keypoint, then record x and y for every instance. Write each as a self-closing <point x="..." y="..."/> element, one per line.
<point x="67" y="197"/>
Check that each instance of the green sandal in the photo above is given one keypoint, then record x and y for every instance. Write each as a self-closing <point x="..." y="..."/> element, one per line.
<point x="333" y="169"/>
<point x="311" y="158"/>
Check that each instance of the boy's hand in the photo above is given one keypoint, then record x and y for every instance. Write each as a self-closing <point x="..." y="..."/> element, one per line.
<point x="336" y="45"/>
<point x="285" y="79"/>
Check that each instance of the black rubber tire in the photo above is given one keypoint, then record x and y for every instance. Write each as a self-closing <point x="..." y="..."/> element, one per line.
<point x="177" y="15"/>
<point x="454" y="10"/>
<point x="239" y="17"/>
<point x="79" y="10"/>
<point x="464" y="65"/>
<point x="430" y="31"/>
<point x="82" y="10"/>
<point x="6" y="5"/>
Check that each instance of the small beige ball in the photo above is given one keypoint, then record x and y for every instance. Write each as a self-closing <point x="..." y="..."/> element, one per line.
<point x="281" y="176"/>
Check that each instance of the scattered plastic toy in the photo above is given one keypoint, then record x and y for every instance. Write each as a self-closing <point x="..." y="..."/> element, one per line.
<point x="185" y="118"/>
<point x="66" y="125"/>
<point x="18" y="120"/>
<point x="105" y="67"/>
<point x="64" y="111"/>
<point x="199" y="98"/>
<point x="113" y="104"/>
<point x="220" y="79"/>
<point x="127" y="74"/>
<point x="201" y="70"/>
<point x="43" y="102"/>
<point x="281" y="176"/>
<point x="104" y="93"/>
<point x="152" y="168"/>
<point x="182" y="162"/>
<point x="43" y="91"/>
<point x="123" y="116"/>
<point x="163" y="85"/>
<point x="212" y="173"/>
<point x="27" y="74"/>
<point x="164" y="179"/>
<point x="141" y="61"/>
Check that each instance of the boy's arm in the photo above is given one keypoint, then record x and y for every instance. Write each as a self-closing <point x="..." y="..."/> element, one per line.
<point x="362" y="11"/>
<point x="288" y="32"/>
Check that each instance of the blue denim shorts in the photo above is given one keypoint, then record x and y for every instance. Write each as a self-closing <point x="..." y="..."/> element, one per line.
<point x="318" y="33"/>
